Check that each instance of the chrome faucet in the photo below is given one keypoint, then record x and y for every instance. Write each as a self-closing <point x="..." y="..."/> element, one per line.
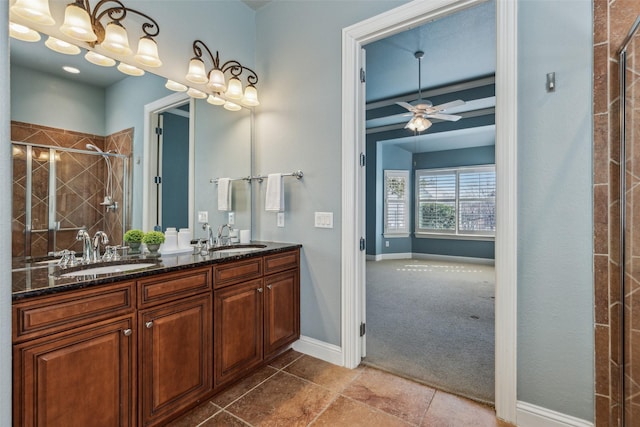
<point x="87" y="250"/>
<point x="211" y="241"/>
<point x="100" y="236"/>
<point x="227" y="238"/>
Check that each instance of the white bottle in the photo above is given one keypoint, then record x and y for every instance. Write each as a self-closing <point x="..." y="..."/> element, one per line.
<point x="170" y="239"/>
<point x="184" y="238"/>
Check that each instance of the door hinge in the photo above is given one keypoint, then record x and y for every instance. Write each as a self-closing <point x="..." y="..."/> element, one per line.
<point x="363" y="160"/>
<point x="157" y="180"/>
<point x="363" y="329"/>
<point x="363" y="75"/>
<point x="158" y="131"/>
<point x="363" y="244"/>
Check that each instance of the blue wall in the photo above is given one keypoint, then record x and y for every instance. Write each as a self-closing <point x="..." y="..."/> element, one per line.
<point x="175" y="160"/>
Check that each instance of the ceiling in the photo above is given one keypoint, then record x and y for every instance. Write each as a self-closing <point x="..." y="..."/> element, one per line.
<point x="459" y="63"/>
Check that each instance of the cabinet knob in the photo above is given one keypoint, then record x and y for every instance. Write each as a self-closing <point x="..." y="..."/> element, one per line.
<point x="148" y="324"/>
<point x="269" y="286"/>
<point x="127" y="332"/>
<point x="259" y="289"/>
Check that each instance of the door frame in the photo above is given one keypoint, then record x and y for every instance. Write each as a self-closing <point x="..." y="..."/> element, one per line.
<point x="354" y="38"/>
<point x="149" y="154"/>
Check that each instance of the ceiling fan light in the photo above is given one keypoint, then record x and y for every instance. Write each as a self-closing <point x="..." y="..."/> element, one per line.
<point x="61" y="46"/>
<point x="231" y="106"/>
<point x="77" y="23"/>
<point x="20" y="32"/>
<point x="234" y="89"/>
<point x="250" y="98"/>
<point x="217" y="81"/>
<point x="175" y="86"/>
<point x="101" y="60"/>
<point x="195" y="93"/>
<point x="148" y="52"/>
<point x="116" y="39"/>
<point x="215" y="99"/>
<point x="196" y="72"/>
<point x="34" y="10"/>
<point x="130" y="70"/>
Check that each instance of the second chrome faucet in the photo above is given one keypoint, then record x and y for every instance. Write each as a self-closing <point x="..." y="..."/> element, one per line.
<point x="91" y="248"/>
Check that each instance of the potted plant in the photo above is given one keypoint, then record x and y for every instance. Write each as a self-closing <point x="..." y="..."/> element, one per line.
<point x="133" y="238"/>
<point x="153" y="239"/>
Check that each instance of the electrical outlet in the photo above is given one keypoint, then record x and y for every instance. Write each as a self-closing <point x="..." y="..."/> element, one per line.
<point x="232" y="218"/>
<point x="280" y="219"/>
<point x="386" y="243"/>
<point x="203" y="216"/>
<point x="323" y="220"/>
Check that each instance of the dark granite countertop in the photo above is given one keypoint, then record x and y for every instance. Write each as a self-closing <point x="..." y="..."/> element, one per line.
<point x="30" y="279"/>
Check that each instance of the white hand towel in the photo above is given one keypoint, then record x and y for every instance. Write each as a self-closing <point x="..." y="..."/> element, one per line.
<point x="274" y="199"/>
<point x="224" y="194"/>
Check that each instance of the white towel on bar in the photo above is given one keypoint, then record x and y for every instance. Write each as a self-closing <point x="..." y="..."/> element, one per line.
<point x="274" y="200"/>
<point x="224" y="194"/>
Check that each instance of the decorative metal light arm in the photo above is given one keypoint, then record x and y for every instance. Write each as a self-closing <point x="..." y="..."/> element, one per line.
<point x="197" y="51"/>
<point x="116" y="13"/>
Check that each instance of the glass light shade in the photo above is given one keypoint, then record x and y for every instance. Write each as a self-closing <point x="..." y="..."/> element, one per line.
<point x="175" y="86"/>
<point x="20" y="32"/>
<point x="130" y="70"/>
<point x="217" y="81"/>
<point x="34" y="11"/>
<point x="77" y="24"/>
<point x="61" y="46"/>
<point x="232" y="106"/>
<point x="195" y="93"/>
<point x="234" y="90"/>
<point x="250" y="98"/>
<point x="196" y="72"/>
<point x="96" y="58"/>
<point x="116" y="39"/>
<point x="216" y="100"/>
<point x="148" y="52"/>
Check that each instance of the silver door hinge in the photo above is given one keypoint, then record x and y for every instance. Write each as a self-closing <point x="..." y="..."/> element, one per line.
<point x="363" y="160"/>
<point x="363" y="75"/>
<point x="158" y="131"/>
<point x="363" y="329"/>
<point x="363" y="244"/>
<point x="157" y="180"/>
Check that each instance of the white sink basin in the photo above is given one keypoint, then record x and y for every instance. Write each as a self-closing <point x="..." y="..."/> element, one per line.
<point x="238" y="249"/>
<point x="108" y="269"/>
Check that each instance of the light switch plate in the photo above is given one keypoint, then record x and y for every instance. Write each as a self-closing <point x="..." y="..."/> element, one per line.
<point x="203" y="216"/>
<point x="324" y="219"/>
<point x="280" y="219"/>
<point x="232" y="218"/>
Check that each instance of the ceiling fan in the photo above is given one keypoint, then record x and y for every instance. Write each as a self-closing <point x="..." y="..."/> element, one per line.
<point x="424" y="109"/>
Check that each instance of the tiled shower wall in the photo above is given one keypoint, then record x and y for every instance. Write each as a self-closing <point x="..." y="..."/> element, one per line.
<point x="80" y="187"/>
<point x="612" y="21"/>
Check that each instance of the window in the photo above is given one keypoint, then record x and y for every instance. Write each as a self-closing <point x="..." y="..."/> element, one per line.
<point x="460" y="201"/>
<point x="396" y="203"/>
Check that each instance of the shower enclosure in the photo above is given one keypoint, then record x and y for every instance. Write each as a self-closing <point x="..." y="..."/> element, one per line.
<point x="58" y="191"/>
<point x="630" y="225"/>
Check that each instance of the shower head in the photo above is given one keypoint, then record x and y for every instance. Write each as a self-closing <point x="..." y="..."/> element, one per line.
<point x="95" y="148"/>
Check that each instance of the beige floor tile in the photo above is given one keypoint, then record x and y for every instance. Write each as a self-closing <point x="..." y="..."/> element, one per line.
<point x="224" y="419"/>
<point x="448" y="410"/>
<point x="285" y="359"/>
<point x="347" y="412"/>
<point x="196" y="415"/>
<point x="323" y="373"/>
<point x="394" y="395"/>
<point x="282" y="400"/>
<point x="237" y="390"/>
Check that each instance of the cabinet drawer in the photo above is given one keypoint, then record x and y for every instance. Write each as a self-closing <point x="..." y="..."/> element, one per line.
<point x="171" y="286"/>
<point x="282" y="261"/>
<point x="236" y="271"/>
<point x="55" y="313"/>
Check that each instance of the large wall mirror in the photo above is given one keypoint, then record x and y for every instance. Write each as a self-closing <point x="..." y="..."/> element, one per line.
<point x="70" y="130"/>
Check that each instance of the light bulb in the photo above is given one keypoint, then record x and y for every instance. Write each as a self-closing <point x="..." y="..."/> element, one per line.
<point x="77" y="24"/>
<point x="234" y="89"/>
<point x="217" y="81"/>
<point x="196" y="73"/>
<point x="148" y="52"/>
<point x="34" y="10"/>
<point x="116" y="39"/>
<point x="250" y="98"/>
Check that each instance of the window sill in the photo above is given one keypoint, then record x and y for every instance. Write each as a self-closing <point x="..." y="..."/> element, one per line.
<point x="455" y="236"/>
<point x="395" y="235"/>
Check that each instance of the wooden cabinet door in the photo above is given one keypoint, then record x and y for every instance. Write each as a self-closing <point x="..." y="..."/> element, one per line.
<point x="282" y="310"/>
<point x="79" y="378"/>
<point x="175" y="356"/>
<point x="238" y="329"/>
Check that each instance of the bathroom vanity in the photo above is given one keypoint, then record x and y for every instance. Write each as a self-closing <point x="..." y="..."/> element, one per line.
<point x="142" y="347"/>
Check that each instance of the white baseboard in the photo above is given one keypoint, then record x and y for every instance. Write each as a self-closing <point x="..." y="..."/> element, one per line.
<point x="319" y="349"/>
<point x="452" y="258"/>
<point x="381" y="257"/>
<point x="374" y="257"/>
<point x="529" y="415"/>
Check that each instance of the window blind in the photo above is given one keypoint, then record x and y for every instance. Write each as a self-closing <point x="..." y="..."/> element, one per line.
<point x="396" y="202"/>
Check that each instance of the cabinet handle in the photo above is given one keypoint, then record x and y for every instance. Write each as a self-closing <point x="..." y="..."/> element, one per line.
<point x="127" y="332"/>
<point x="269" y="286"/>
<point x="148" y="325"/>
<point x="259" y="289"/>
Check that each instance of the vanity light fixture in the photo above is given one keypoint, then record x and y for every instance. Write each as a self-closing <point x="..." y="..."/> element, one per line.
<point x="175" y="86"/>
<point x="61" y="46"/>
<point x="130" y="70"/>
<point x="216" y="81"/>
<point x="195" y="93"/>
<point x="215" y="99"/>
<point x="96" y="58"/>
<point x="20" y="32"/>
<point x="34" y="11"/>
<point x="231" y="106"/>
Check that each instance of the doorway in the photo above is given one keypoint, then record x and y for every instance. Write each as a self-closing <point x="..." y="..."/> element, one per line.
<point x="354" y="38"/>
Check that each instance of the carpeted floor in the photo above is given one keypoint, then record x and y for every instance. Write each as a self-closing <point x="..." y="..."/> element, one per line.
<point x="433" y="321"/>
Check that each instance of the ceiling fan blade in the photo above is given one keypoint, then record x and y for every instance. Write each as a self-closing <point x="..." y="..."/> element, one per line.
<point x="446" y="105"/>
<point x="448" y="117"/>
<point x="406" y="105"/>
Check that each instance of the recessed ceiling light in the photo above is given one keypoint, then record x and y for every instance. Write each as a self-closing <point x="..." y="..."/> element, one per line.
<point x="72" y="70"/>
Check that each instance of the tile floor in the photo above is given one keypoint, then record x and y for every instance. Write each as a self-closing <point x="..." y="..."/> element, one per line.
<point x="299" y="390"/>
